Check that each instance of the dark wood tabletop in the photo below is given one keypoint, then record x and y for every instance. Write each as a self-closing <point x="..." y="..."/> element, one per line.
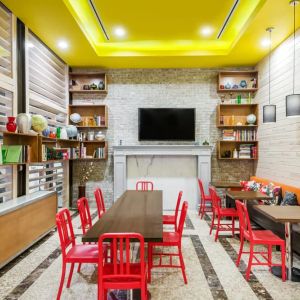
<point x="134" y="211"/>
<point x="279" y="213"/>
<point x="247" y="195"/>
<point x="225" y="184"/>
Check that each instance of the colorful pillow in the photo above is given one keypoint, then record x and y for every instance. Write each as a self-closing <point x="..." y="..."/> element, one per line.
<point x="289" y="199"/>
<point x="273" y="191"/>
<point x="250" y="185"/>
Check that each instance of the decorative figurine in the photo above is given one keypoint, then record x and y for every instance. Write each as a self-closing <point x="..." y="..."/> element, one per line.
<point x="243" y="84"/>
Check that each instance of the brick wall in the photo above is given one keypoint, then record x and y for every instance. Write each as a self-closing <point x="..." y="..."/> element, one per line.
<point x="279" y="157"/>
<point x="129" y="89"/>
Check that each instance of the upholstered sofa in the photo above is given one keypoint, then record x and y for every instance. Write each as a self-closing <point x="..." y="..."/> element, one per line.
<point x="267" y="223"/>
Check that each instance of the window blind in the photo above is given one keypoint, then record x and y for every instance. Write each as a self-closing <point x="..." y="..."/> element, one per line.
<point x="47" y="96"/>
<point x="5" y="41"/>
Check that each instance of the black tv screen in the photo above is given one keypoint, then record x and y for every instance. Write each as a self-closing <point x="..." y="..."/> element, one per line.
<point x="166" y="124"/>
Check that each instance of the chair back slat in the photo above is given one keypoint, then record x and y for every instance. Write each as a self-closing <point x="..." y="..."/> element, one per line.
<point x="201" y="188"/>
<point x="65" y="230"/>
<point x="85" y="214"/>
<point x="144" y="185"/>
<point x="182" y="217"/>
<point x="215" y="199"/>
<point x="177" y="207"/>
<point x="99" y="202"/>
<point x="245" y="224"/>
<point x="122" y="255"/>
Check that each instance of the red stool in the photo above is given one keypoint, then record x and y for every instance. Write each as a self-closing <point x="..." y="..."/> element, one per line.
<point x="205" y="199"/>
<point x="122" y="272"/>
<point x="220" y="213"/>
<point x="170" y="239"/>
<point x="99" y="202"/>
<point x="258" y="237"/>
<point x="72" y="253"/>
<point x="144" y="186"/>
<point x="172" y="219"/>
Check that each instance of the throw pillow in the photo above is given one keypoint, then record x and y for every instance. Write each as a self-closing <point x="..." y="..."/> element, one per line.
<point x="272" y="191"/>
<point x="289" y="199"/>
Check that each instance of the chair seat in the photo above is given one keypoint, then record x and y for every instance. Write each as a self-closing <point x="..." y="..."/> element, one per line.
<point x="168" y="219"/>
<point x="169" y="239"/>
<point x="228" y="212"/>
<point x="266" y="237"/>
<point x="83" y="253"/>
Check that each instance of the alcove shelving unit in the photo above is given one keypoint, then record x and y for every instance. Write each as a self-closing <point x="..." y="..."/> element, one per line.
<point x="236" y="133"/>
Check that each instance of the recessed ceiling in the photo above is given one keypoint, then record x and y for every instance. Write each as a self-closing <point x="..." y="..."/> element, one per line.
<point x="157" y="33"/>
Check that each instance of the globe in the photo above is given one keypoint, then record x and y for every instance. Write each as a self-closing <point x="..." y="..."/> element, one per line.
<point x="251" y="119"/>
<point x="38" y="123"/>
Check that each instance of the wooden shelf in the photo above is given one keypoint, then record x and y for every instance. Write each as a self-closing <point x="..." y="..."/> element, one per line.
<point x="89" y="91"/>
<point x="87" y="113"/>
<point x="93" y="127"/>
<point x="238" y="126"/>
<point x="232" y="114"/>
<point x="234" y="78"/>
<point x="240" y="142"/>
<point x="222" y="158"/>
<point x="85" y="74"/>
<point x="91" y="158"/>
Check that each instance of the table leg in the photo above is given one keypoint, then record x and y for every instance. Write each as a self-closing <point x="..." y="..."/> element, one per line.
<point x="288" y="250"/>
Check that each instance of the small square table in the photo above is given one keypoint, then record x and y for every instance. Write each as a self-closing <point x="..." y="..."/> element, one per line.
<point x="247" y="196"/>
<point x="226" y="184"/>
<point x="286" y="215"/>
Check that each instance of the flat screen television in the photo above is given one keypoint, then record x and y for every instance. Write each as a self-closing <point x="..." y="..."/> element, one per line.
<point x="166" y="124"/>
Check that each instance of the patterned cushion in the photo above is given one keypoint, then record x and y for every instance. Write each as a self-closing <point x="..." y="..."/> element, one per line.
<point x="289" y="199"/>
<point x="273" y="191"/>
<point x="250" y="185"/>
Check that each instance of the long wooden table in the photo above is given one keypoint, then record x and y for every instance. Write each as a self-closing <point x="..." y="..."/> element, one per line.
<point x="286" y="215"/>
<point x="247" y="195"/>
<point x="134" y="211"/>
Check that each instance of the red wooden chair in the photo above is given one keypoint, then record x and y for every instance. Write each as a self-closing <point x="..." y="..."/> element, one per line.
<point x="85" y="214"/>
<point x="170" y="239"/>
<point x="221" y="213"/>
<point x="100" y="202"/>
<point x="172" y="219"/>
<point x="144" y="186"/>
<point x="205" y="199"/>
<point x="122" y="272"/>
<point x="258" y="237"/>
<point x="71" y="252"/>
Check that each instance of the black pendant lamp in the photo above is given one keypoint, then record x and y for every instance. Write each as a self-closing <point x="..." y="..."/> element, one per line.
<point x="293" y="100"/>
<point x="269" y="110"/>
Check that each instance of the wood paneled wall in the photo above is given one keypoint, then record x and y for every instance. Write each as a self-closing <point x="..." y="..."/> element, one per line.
<point x="279" y="156"/>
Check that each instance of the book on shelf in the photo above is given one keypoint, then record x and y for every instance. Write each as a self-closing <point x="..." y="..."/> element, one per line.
<point x="99" y="153"/>
<point x="245" y="135"/>
<point x="248" y="151"/>
<point x="16" y="153"/>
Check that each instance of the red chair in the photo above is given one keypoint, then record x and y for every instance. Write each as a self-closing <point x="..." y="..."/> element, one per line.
<point x="144" y="186"/>
<point x="258" y="237"/>
<point x="85" y="214"/>
<point x="205" y="199"/>
<point x="122" y="272"/>
<point x="71" y="252"/>
<point x="100" y="202"/>
<point x="220" y="213"/>
<point x="170" y="239"/>
<point x="172" y="219"/>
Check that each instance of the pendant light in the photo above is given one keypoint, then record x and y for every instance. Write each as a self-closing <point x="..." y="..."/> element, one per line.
<point x="293" y="100"/>
<point x="269" y="110"/>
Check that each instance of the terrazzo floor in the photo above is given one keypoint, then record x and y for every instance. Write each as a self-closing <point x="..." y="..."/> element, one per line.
<point x="210" y="268"/>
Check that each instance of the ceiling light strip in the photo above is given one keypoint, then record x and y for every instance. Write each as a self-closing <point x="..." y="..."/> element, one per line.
<point x="98" y="18"/>
<point x="228" y="18"/>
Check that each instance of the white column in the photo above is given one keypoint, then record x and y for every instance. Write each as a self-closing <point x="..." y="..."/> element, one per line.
<point x="120" y="174"/>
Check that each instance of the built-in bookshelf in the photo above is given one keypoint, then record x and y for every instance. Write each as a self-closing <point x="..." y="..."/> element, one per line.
<point x="238" y="139"/>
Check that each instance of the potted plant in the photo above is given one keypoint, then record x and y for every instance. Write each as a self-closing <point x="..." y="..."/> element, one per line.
<point x="86" y="172"/>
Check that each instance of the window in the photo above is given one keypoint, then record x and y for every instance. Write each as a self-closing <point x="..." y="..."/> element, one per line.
<point x="47" y="96"/>
<point x="5" y="41"/>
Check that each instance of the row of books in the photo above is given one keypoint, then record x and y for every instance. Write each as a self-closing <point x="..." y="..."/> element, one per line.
<point x="248" y="151"/>
<point x="239" y="135"/>
<point x="69" y="153"/>
<point x="15" y="154"/>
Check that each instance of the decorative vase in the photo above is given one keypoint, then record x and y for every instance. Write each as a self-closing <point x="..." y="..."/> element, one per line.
<point x="81" y="191"/>
<point x="24" y="122"/>
<point x="11" y="125"/>
<point x="63" y="133"/>
<point x="100" y="136"/>
<point x="38" y="123"/>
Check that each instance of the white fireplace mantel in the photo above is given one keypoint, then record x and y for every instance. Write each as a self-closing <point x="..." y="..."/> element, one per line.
<point x="203" y="154"/>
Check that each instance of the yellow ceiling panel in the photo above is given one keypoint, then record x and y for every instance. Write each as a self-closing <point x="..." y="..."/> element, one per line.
<point x="159" y="33"/>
